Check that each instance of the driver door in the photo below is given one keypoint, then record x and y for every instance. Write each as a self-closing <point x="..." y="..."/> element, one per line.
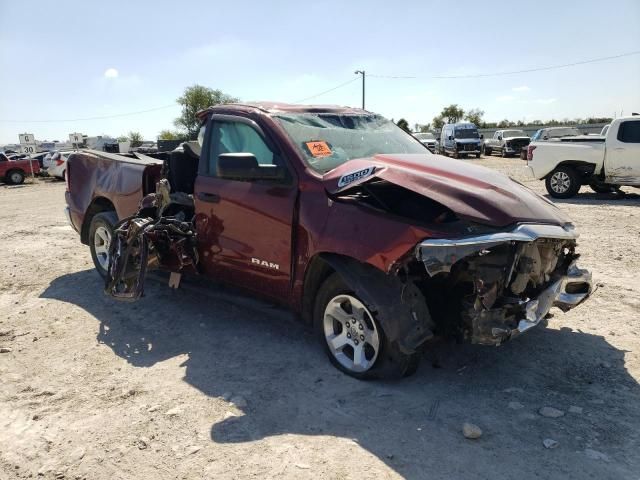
<point x="244" y="227"/>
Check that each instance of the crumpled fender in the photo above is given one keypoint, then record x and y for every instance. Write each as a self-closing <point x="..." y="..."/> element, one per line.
<point x="402" y="309"/>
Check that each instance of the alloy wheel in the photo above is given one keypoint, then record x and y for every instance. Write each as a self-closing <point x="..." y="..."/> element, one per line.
<point x="351" y="333"/>
<point x="101" y="242"/>
<point x="560" y="182"/>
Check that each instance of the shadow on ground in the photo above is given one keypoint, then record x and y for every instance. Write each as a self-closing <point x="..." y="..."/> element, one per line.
<point x="413" y="425"/>
<point x="590" y="198"/>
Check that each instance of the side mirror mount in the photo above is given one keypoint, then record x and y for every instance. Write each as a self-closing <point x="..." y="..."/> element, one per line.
<point x="499" y="137"/>
<point x="481" y="136"/>
<point x="450" y="137"/>
<point x="545" y="138"/>
<point x="245" y="167"/>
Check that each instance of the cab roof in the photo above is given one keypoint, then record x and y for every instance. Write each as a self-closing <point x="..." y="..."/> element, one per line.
<point x="281" y="107"/>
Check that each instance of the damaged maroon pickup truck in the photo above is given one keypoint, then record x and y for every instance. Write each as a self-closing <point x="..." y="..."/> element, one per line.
<point x="343" y="217"/>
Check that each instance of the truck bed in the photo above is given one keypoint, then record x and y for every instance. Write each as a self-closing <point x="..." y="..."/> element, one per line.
<point x="108" y="178"/>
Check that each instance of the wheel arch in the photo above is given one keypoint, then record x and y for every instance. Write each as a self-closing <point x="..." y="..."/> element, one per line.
<point x="404" y="314"/>
<point x="583" y="168"/>
<point x="98" y="205"/>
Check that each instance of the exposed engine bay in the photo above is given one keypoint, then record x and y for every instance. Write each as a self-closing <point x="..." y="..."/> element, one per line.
<point x="499" y="285"/>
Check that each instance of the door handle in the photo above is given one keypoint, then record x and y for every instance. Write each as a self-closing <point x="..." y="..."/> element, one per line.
<point x="208" y="197"/>
<point x="618" y="149"/>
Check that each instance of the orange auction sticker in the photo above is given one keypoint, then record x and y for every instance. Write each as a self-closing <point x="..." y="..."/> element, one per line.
<point x="319" y="149"/>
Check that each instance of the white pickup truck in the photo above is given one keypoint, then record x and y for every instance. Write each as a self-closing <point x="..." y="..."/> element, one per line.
<point x="605" y="163"/>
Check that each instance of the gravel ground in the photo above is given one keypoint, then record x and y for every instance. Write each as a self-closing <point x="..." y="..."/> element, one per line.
<point x="203" y="384"/>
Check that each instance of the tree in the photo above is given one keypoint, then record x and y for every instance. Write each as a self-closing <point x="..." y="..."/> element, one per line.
<point x="437" y="123"/>
<point x="423" y="128"/>
<point x="475" y="116"/>
<point x="194" y="99"/>
<point x="171" y="135"/>
<point x="505" y="123"/>
<point x="135" y="138"/>
<point x="123" y="138"/>
<point x="452" y="114"/>
<point x="403" y="124"/>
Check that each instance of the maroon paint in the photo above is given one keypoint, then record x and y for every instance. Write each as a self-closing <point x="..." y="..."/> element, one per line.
<point x="289" y="225"/>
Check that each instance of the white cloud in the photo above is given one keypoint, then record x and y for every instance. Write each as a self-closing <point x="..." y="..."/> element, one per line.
<point x="546" y="101"/>
<point x="506" y="98"/>
<point x="111" y="73"/>
<point x="522" y="88"/>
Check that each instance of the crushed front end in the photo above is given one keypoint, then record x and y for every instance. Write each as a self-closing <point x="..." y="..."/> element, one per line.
<point x="499" y="285"/>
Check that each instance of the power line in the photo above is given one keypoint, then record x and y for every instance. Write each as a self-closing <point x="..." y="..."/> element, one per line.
<point x="478" y="75"/>
<point x="103" y="117"/>
<point x="327" y="91"/>
<point x="513" y="72"/>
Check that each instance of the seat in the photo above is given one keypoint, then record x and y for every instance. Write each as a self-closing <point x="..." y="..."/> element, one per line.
<point x="183" y="167"/>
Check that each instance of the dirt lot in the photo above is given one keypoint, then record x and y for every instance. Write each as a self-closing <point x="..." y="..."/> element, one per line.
<point x="203" y="384"/>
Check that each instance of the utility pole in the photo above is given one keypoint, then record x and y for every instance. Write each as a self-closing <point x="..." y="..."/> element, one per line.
<point x="361" y="72"/>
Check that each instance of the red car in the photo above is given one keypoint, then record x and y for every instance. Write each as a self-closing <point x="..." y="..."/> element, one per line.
<point x="337" y="213"/>
<point x="15" y="171"/>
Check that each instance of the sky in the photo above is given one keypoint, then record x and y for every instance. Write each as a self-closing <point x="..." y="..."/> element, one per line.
<point x="69" y="60"/>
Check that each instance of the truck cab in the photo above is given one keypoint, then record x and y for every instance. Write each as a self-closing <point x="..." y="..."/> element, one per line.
<point x="460" y="140"/>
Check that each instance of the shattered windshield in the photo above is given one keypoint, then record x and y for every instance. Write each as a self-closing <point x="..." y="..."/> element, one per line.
<point x="328" y="140"/>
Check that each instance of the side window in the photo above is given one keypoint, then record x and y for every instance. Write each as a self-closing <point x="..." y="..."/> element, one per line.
<point x="237" y="137"/>
<point x="496" y="135"/>
<point x="629" y="132"/>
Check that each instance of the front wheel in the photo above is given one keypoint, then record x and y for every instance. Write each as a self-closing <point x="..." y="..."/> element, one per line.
<point x="353" y="337"/>
<point x="487" y="152"/>
<point x="563" y="182"/>
<point x="100" y="237"/>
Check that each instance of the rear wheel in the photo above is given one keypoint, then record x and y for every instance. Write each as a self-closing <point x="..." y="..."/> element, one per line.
<point x="563" y="182"/>
<point x="16" y="177"/>
<point x="353" y="337"/>
<point x="100" y="236"/>
<point x="504" y="153"/>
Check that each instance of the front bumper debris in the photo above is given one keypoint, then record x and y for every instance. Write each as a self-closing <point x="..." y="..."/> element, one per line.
<point x="511" y="279"/>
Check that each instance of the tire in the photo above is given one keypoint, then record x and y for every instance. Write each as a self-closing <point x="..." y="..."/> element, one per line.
<point x="477" y="155"/>
<point x="380" y="358"/>
<point x="603" y="188"/>
<point x="100" y="235"/>
<point x="563" y="182"/>
<point x="15" y="177"/>
<point x="487" y="152"/>
<point x="503" y="153"/>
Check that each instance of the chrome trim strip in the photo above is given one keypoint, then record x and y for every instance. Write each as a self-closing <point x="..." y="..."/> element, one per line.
<point x="525" y="232"/>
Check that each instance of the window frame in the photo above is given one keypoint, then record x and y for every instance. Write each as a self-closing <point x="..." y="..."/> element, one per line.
<point x="204" y="166"/>
<point x="621" y="130"/>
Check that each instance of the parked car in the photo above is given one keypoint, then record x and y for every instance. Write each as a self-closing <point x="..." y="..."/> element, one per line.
<point x="15" y="171"/>
<point x="603" y="163"/>
<point x="460" y="140"/>
<point x="555" y="133"/>
<point x="506" y="142"/>
<point x="58" y="164"/>
<point x="428" y="139"/>
<point x="341" y="216"/>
